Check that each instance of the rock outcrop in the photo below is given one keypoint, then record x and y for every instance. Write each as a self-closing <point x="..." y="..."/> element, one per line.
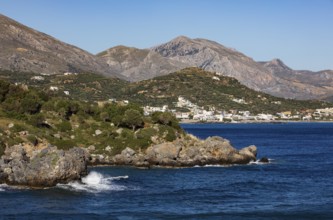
<point x="184" y="152"/>
<point x="44" y="168"/>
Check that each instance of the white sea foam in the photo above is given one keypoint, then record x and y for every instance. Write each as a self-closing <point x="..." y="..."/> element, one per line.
<point x="212" y="165"/>
<point x="95" y="182"/>
<point x="257" y="162"/>
<point x="3" y="187"/>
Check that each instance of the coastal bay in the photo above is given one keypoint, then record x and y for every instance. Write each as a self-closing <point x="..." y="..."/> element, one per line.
<point x="295" y="185"/>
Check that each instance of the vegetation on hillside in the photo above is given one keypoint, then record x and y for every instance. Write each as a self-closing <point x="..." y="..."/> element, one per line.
<point x="203" y="88"/>
<point x="32" y="117"/>
<point x="209" y="90"/>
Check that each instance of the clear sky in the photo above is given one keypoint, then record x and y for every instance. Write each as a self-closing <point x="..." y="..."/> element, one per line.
<point x="300" y="32"/>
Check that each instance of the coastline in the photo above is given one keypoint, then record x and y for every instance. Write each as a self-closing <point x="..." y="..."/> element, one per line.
<point x="189" y="121"/>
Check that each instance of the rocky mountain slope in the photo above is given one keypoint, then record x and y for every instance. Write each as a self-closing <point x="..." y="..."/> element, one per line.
<point x="323" y="80"/>
<point x="26" y="50"/>
<point x="209" y="55"/>
<point x="139" y="64"/>
<point x="212" y="56"/>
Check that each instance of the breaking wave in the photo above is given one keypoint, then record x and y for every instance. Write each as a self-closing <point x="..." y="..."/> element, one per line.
<point x="95" y="182"/>
<point x="257" y="162"/>
<point x="2" y="187"/>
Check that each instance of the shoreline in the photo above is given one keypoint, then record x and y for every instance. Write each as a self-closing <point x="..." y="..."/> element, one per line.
<point x="189" y="121"/>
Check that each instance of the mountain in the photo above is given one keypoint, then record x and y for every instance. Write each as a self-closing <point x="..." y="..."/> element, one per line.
<point x="23" y="49"/>
<point x="212" y="56"/>
<point x="139" y="64"/>
<point x="322" y="79"/>
<point x="315" y="85"/>
<point x="27" y="50"/>
<point x="273" y="77"/>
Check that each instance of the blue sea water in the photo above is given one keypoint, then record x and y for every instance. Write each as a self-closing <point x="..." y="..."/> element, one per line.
<point x="297" y="184"/>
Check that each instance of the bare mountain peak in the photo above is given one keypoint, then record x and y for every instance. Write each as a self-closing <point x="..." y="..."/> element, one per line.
<point x="181" y="38"/>
<point x="277" y="64"/>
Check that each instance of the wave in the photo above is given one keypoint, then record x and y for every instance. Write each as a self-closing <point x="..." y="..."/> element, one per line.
<point x="95" y="182"/>
<point x="2" y="187"/>
<point x="257" y="162"/>
<point x="212" y="165"/>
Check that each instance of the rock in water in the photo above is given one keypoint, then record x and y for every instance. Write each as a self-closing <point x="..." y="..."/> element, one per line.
<point x="186" y="152"/>
<point x="44" y="168"/>
<point x="264" y="160"/>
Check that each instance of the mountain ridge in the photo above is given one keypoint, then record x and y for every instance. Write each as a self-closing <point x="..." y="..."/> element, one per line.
<point x="269" y="77"/>
<point x="24" y="49"/>
<point x="28" y="50"/>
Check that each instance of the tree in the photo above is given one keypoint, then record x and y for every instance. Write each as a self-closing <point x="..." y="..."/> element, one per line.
<point x="37" y="120"/>
<point x="165" y="118"/>
<point x="132" y="119"/>
<point x="31" y="104"/>
<point x="4" y="88"/>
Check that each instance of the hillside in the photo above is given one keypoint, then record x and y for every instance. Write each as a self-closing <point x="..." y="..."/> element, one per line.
<point x="84" y="86"/>
<point x="24" y="49"/>
<point x="200" y="87"/>
<point x="320" y="83"/>
<point x="36" y="119"/>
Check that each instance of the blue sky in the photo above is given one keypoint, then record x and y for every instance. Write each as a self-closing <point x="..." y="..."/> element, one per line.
<point x="300" y="32"/>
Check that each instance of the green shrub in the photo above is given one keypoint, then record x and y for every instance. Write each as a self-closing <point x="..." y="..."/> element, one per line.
<point x="144" y="137"/>
<point x="14" y="141"/>
<point x="17" y="128"/>
<point x="64" y="126"/>
<point x="33" y="139"/>
<point x="37" y="120"/>
<point x="167" y="132"/>
<point x="146" y="133"/>
<point x="64" y="144"/>
<point x="127" y="134"/>
<point x="2" y="147"/>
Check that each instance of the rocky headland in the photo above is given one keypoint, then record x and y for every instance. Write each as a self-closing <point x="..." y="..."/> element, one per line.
<point x="184" y="152"/>
<point x="49" y="166"/>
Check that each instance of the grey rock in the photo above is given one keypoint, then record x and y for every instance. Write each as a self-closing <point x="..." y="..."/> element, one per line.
<point x="47" y="168"/>
<point x="264" y="160"/>
<point x="91" y="148"/>
<point x="108" y="149"/>
<point x="126" y="157"/>
<point x="163" y="154"/>
<point x="186" y="152"/>
<point x="98" y="132"/>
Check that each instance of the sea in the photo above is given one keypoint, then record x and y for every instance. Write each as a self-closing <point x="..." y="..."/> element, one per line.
<point x="296" y="184"/>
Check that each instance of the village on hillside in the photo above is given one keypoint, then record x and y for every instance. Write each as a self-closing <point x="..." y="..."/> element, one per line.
<point x="196" y="113"/>
<point x="191" y="112"/>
